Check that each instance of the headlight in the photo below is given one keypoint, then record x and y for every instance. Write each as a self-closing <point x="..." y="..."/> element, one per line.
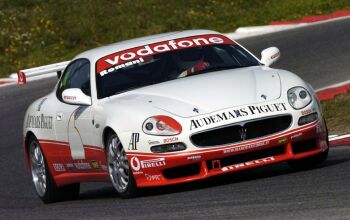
<point x="161" y="125"/>
<point x="299" y="97"/>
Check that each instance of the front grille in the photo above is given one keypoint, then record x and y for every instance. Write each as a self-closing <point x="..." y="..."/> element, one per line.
<point x="243" y="131"/>
<point x="255" y="155"/>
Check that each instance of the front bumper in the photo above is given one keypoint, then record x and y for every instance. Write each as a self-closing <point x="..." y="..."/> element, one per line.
<point x="165" y="169"/>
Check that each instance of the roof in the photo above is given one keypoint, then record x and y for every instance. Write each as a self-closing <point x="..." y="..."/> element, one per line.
<point x="95" y="54"/>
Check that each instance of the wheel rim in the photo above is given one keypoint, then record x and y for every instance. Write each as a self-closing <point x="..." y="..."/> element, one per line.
<point x="118" y="166"/>
<point x="37" y="163"/>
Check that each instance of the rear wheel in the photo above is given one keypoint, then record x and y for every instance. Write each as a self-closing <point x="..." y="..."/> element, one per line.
<point x="44" y="184"/>
<point x="119" y="169"/>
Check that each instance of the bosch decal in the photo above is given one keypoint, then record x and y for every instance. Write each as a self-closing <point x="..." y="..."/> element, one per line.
<point x="170" y="140"/>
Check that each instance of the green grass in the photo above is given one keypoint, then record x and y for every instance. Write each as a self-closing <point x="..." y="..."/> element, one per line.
<point x="38" y="32"/>
<point x="336" y="113"/>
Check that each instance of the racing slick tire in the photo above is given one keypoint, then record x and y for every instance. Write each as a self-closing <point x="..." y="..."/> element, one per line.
<point x="119" y="169"/>
<point x="44" y="183"/>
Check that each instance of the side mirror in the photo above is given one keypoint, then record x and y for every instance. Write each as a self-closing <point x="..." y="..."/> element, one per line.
<point x="270" y="55"/>
<point x="75" y="96"/>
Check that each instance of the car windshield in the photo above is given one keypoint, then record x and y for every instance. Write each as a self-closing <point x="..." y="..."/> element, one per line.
<point x="171" y="65"/>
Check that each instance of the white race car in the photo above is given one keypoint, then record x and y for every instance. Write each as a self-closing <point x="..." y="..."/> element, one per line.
<point x="167" y="109"/>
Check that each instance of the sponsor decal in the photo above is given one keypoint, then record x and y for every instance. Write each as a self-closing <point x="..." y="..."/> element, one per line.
<point x="250" y="163"/>
<point x="135" y="138"/>
<point x="307" y="111"/>
<point x="78" y="166"/>
<point x="58" y="167"/>
<point x="296" y="136"/>
<point x="153" y="142"/>
<point x="246" y="147"/>
<point x="40" y="104"/>
<point x="121" y="66"/>
<point x="104" y="167"/>
<point x="82" y="166"/>
<point x="318" y="129"/>
<point x="170" y="140"/>
<point x="158" y="162"/>
<point x="136" y="164"/>
<point x="70" y="167"/>
<point x="95" y="165"/>
<point x="135" y="54"/>
<point x="237" y="113"/>
<point x="283" y="140"/>
<point x="66" y="97"/>
<point x="152" y="177"/>
<point x="194" y="157"/>
<point x="39" y="121"/>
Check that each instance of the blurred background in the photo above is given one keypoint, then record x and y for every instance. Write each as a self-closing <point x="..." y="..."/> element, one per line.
<point x="36" y="32"/>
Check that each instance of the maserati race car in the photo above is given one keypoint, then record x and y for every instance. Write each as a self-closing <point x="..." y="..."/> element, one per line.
<point x="168" y="109"/>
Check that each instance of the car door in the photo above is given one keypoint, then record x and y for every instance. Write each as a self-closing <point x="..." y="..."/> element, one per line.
<point x="73" y="122"/>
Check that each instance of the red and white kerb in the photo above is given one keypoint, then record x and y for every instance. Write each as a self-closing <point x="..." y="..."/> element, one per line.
<point x="134" y="55"/>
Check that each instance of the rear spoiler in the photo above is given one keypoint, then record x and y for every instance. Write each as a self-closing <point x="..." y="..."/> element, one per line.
<point x="47" y="70"/>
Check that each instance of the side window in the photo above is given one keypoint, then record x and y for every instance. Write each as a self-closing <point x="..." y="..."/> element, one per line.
<point x="76" y="75"/>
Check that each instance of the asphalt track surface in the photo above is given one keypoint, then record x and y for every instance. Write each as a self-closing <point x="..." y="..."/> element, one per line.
<point x="320" y="54"/>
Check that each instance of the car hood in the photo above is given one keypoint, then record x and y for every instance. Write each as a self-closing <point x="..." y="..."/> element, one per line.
<point x="202" y="94"/>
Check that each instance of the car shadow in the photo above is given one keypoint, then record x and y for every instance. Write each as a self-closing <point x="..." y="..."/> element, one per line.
<point x="237" y="177"/>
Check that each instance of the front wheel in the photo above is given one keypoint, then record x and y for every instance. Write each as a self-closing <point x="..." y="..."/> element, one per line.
<point x="119" y="169"/>
<point x="44" y="183"/>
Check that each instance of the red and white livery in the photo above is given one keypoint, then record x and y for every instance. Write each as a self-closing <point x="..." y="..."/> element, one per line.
<point x="168" y="109"/>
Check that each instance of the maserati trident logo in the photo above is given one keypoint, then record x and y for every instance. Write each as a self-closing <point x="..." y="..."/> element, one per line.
<point x="243" y="133"/>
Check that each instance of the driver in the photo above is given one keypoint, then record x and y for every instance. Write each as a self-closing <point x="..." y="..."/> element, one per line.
<point x="192" y="60"/>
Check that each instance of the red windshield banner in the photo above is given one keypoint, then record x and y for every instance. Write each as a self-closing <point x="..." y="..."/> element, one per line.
<point x="134" y="55"/>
